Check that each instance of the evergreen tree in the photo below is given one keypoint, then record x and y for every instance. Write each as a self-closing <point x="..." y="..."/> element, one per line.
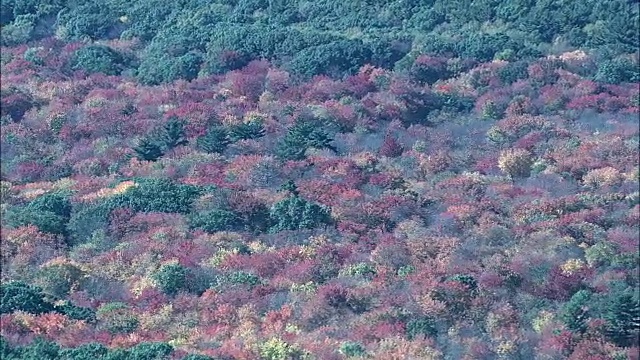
<point x="622" y="312"/>
<point x="19" y="296"/>
<point x="215" y="220"/>
<point x="299" y="138"/>
<point x="173" y="134"/>
<point x="290" y="186"/>
<point x="148" y="150"/>
<point x="294" y="213"/>
<point x="246" y="130"/>
<point x="90" y="351"/>
<point x="575" y="312"/>
<point x="214" y="141"/>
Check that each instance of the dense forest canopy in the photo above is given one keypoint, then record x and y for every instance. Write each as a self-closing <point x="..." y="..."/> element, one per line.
<point x="361" y="179"/>
<point x="182" y="39"/>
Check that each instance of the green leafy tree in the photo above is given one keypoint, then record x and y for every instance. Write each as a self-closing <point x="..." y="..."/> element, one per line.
<point x="19" y="31"/>
<point x="337" y="58"/>
<point x="618" y="71"/>
<point x="156" y="195"/>
<point x="90" y="20"/>
<point x="197" y="357"/>
<point x="425" y="326"/>
<point x="76" y="312"/>
<point x="150" y="351"/>
<point x="224" y="281"/>
<point x="40" y="349"/>
<point x="50" y="213"/>
<point x="352" y="349"/>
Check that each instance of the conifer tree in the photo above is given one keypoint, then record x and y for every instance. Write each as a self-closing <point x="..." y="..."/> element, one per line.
<point x="148" y="150"/>
<point x="214" y="141"/>
<point x="575" y="313"/>
<point x="300" y="137"/>
<point x="246" y="131"/>
<point x="173" y="134"/>
<point x="622" y="313"/>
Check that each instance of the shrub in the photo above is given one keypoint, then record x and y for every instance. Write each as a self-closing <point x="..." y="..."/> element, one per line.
<point x="277" y="349"/>
<point x="421" y="326"/>
<point x="117" y="318"/>
<point x="516" y="163"/>
<point x="350" y="349"/>
<point x="60" y="278"/>
<point x="171" y="278"/>
<point x="236" y="278"/>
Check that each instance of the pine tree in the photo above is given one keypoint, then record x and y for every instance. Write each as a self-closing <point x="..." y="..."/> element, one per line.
<point x="575" y="313"/>
<point x="290" y="186"/>
<point x="623" y="316"/>
<point x="173" y="134"/>
<point x="246" y="131"/>
<point x="148" y="150"/>
<point x="295" y="213"/>
<point x="300" y="137"/>
<point x="215" y="141"/>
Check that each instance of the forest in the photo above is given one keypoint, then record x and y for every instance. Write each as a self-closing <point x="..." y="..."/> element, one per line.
<point x="320" y="180"/>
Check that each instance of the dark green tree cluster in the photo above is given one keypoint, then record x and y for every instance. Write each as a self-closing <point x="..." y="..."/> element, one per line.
<point x="99" y="59"/>
<point x="42" y="349"/>
<point x="149" y="195"/>
<point x="300" y="137"/>
<point x="185" y="38"/>
<point x="155" y="145"/>
<point x="20" y="296"/>
<point x="295" y="213"/>
<point x="619" y="308"/>
<point x="215" y="140"/>
<point x="50" y="213"/>
<point x="216" y="220"/>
